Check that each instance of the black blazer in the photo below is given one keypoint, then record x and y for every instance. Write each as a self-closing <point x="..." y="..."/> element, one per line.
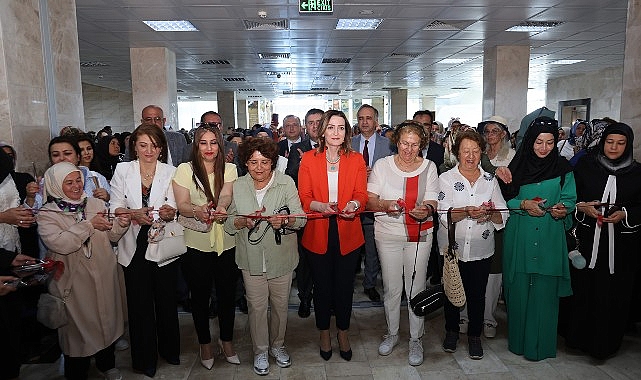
<point x="435" y="153"/>
<point x="293" y="161"/>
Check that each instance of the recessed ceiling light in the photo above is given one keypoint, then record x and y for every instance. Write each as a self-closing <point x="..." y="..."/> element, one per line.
<point x="534" y="26"/>
<point x="171" y="26"/>
<point x="358" y="23"/>
<point x="453" y="61"/>
<point x="566" y="61"/>
<point x="366" y="12"/>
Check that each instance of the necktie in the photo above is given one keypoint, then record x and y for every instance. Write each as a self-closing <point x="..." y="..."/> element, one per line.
<point x="366" y="153"/>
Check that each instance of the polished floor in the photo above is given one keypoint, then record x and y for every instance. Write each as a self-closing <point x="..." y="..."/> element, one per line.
<point x="367" y="327"/>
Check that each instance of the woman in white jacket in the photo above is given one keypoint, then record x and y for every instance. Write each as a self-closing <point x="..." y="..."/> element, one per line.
<point x="142" y="188"/>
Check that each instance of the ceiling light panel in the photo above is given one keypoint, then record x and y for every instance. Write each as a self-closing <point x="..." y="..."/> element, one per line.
<point x="566" y="61"/>
<point x="358" y="23"/>
<point x="534" y="26"/>
<point x="171" y="26"/>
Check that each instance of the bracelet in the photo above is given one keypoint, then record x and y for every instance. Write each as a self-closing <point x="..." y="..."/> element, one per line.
<point x="356" y="205"/>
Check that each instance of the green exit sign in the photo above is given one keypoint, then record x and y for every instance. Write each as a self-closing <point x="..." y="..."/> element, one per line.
<point x="315" y="6"/>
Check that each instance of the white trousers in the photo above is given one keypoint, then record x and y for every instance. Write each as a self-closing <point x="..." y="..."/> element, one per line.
<point x="492" y="292"/>
<point x="397" y="264"/>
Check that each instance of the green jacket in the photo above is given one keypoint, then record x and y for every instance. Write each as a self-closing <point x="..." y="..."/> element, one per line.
<point x="538" y="244"/>
<point x="279" y="259"/>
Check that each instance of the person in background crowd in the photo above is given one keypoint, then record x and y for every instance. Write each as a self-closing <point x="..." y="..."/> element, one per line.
<point x="608" y="186"/>
<point x="433" y="151"/>
<point x="575" y="139"/>
<point x="210" y="256"/>
<point x="373" y="147"/>
<point x="402" y="242"/>
<point x="292" y="130"/>
<point x="142" y="188"/>
<point x="303" y="271"/>
<point x="473" y="194"/>
<point x="266" y="252"/>
<point x="333" y="180"/>
<point x="535" y="255"/>
<point x="107" y="156"/>
<point x="177" y="144"/>
<point x="78" y="233"/>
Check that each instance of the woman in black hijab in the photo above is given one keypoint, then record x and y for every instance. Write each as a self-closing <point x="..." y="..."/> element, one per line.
<point x="107" y="156"/>
<point x="608" y="184"/>
<point x="535" y="258"/>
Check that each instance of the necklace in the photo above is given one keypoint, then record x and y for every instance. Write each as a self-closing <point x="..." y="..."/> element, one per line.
<point x="332" y="163"/>
<point x="147" y="176"/>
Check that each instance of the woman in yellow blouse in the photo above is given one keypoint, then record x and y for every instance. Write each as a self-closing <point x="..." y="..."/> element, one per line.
<point x="203" y="190"/>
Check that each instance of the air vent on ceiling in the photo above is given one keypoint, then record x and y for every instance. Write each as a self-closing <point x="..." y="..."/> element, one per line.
<point x="405" y="55"/>
<point x="319" y="88"/>
<point x="390" y="88"/>
<point x="254" y="96"/>
<point x="350" y="89"/>
<point x="93" y="64"/>
<point x="282" y="24"/>
<point x="363" y="82"/>
<point x="273" y="55"/>
<point x="239" y="79"/>
<point x="337" y="60"/>
<point x="451" y="25"/>
<point x="213" y="62"/>
<point x="246" y="89"/>
<point x="180" y="91"/>
<point x="460" y="88"/>
<point x="278" y="72"/>
<point x="325" y="78"/>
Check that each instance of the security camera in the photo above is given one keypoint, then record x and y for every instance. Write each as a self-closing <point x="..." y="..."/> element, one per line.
<point x="278" y="76"/>
<point x="262" y="14"/>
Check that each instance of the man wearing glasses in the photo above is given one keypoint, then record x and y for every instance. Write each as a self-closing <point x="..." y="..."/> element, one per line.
<point x="176" y="142"/>
<point x="433" y="151"/>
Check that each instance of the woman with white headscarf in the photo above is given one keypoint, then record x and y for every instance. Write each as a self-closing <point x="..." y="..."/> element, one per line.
<point x="78" y="233"/>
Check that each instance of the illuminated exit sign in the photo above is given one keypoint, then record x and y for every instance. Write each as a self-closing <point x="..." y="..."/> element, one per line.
<point x="315" y="6"/>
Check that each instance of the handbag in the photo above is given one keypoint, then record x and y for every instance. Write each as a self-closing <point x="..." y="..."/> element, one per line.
<point x="166" y="242"/>
<point x="52" y="311"/>
<point x="191" y="222"/>
<point x="430" y="299"/>
<point x="452" y="282"/>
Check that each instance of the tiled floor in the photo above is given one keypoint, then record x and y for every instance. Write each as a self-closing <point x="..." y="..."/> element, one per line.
<point x="367" y="328"/>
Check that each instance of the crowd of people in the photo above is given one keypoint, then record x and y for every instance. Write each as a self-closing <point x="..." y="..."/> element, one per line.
<point x="317" y="198"/>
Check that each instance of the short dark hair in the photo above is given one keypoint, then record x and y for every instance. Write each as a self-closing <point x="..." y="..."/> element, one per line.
<point x="370" y="107"/>
<point x="203" y="116"/>
<point x="64" y="139"/>
<point x="156" y="134"/>
<point x="313" y="111"/>
<point x="424" y="112"/>
<point x="469" y="134"/>
<point x="266" y="146"/>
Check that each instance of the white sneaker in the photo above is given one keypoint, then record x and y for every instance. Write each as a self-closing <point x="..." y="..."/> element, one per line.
<point x="282" y="357"/>
<point x="416" y="352"/>
<point x="387" y="345"/>
<point x="462" y="326"/>
<point x="121" y="344"/>
<point x="113" y="374"/>
<point x="261" y="364"/>
<point x="489" y="331"/>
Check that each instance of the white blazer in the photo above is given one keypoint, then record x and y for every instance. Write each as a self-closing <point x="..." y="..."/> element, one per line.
<point x="126" y="192"/>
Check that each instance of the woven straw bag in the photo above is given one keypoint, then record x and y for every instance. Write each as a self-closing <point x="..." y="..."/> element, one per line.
<point x="452" y="282"/>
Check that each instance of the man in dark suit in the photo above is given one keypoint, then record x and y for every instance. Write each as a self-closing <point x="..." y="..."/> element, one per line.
<point x="292" y="130"/>
<point x="303" y="271"/>
<point x="176" y="142"/>
<point x="434" y="151"/>
<point x="373" y="146"/>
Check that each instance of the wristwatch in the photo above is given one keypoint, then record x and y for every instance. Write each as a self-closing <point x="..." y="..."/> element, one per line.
<point x="356" y="205"/>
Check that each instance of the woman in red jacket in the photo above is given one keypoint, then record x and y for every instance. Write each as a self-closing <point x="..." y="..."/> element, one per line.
<point x="333" y="180"/>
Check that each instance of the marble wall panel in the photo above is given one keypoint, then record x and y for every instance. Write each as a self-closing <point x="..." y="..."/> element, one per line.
<point x="104" y="106"/>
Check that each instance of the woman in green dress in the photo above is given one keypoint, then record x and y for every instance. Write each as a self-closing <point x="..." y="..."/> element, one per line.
<point x="542" y="196"/>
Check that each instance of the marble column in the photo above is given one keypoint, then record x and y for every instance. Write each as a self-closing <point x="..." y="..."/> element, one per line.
<point x="40" y="86"/>
<point x="398" y="106"/>
<point x="505" y="82"/>
<point x="241" y="112"/>
<point x="379" y="104"/>
<point x="153" y="81"/>
<point x="227" y="108"/>
<point x="631" y="91"/>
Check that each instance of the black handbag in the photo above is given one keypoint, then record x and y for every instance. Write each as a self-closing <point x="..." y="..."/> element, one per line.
<point x="431" y="299"/>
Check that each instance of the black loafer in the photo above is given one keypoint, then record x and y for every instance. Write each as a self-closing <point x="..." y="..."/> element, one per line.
<point x="372" y="294"/>
<point x="304" y="309"/>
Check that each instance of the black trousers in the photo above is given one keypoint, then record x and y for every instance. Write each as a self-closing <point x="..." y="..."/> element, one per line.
<point x="10" y="325"/>
<point x="333" y="275"/>
<point x="474" y="275"/>
<point x="303" y="272"/>
<point x="77" y="368"/>
<point x="152" y="309"/>
<point x="201" y="270"/>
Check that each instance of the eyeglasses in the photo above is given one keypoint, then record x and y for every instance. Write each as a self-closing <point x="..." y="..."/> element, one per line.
<point x="157" y="118"/>
<point x="209" y="124"/>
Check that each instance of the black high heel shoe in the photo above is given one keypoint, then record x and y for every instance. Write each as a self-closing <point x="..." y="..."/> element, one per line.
<point x="326" y="355"/>
<point x="346" y="355"/>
